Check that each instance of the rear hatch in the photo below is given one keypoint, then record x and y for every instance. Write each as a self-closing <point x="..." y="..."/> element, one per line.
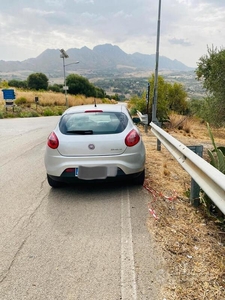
<point x="92" y="134"/>
<point x="91" y="145"/>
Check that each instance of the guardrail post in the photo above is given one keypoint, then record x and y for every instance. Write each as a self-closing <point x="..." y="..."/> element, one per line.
<point x="195" y="188"/>
<point x="158" y="141"/>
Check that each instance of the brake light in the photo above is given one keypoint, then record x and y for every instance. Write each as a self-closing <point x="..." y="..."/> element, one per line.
<point x="93" y="111"/>
<point x="132" y="138"/>
<point x="53" y="141"/>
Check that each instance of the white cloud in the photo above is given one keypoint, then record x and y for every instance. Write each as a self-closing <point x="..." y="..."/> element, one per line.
<point x="187" y="26"/>
<point x="37" y="12"/>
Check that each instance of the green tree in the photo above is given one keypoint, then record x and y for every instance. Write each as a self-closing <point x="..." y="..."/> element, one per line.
<point x="162" y="99"/>
<point x="211" y="71"/>
<point x="176" y="96"/>
<point x="137" y="103"/>
<point x="55" y="88"/>
<point x="171" y="97"/>
<point x="195" y="106"/>
<point x="18" y="83"/>
<point x="80" y="85"/>
<point x="99" y="93"/>
<point x="37" y="81"/>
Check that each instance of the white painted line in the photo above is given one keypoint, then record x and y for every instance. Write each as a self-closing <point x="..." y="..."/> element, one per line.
<point x="128" y="276"/>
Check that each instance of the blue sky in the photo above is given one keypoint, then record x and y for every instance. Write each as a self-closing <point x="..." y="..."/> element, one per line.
<point x="187" y="26"/>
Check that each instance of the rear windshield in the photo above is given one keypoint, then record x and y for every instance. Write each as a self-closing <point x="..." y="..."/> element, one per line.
<point x="93" y="123"/>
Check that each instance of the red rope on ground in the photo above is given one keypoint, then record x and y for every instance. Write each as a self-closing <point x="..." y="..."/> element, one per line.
<point x="156" y="194"/>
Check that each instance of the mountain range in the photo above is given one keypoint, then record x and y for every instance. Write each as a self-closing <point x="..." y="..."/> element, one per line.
<point x="103" y="58"/>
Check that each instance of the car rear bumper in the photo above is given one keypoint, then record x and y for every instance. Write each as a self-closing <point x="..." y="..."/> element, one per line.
<point x="128" y="164"/>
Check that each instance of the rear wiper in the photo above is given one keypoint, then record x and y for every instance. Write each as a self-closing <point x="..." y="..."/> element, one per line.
<point x="80" y="131"/>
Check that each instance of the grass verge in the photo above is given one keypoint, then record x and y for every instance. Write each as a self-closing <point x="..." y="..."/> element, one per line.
<point x="192" y="241"/>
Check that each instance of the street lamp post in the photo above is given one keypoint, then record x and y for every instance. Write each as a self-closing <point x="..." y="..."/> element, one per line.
<point x="63" y="56"/>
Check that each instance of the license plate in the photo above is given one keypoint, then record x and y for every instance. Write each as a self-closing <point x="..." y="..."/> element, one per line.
<point x="90" y="173"/>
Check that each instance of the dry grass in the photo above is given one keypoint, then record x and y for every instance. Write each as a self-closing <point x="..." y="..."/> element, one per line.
<point x="192" y="242"/>
<point x="52" y="98"/>
<point x="49" y="103"/>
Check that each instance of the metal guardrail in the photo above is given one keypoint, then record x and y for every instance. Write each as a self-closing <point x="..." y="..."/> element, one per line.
<point x="211" y="180"/>
<point x="143" y="118"/>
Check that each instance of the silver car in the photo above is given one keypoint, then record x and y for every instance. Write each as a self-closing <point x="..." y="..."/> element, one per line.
<point x="96" y="142"/>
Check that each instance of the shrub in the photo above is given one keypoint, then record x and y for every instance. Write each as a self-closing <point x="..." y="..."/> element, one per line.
<point x="28" y="114"/>
<point x="20" y="101"/>
<point x="55" y="88"/>
<point x="48" y="112"/>
<point x="60" y="112"/>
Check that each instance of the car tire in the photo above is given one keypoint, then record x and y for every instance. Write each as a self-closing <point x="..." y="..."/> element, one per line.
<point x="53" y="183"/>
<point x="139" y="180"/>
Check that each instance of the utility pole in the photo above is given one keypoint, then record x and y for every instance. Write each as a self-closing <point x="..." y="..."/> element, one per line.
<point x="155" y="92"/>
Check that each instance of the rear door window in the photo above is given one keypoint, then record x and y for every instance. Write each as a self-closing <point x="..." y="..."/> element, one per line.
<point x="93" y="123"/>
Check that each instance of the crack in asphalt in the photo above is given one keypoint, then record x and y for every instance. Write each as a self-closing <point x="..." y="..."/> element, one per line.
<point x="5" y="274"/>
<point x="34" y="211"/>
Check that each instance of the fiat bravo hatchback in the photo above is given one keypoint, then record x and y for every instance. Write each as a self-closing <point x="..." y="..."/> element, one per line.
<point x="95" y="143"/>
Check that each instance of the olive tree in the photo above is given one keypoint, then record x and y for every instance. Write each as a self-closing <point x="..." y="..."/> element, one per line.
<point x="211" y="71"/>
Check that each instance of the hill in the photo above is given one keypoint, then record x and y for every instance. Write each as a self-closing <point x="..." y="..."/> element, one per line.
<point x="103" y="59"/>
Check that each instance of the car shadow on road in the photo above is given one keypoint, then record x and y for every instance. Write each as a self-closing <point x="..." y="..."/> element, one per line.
<point x="80" y="199"/>
<point x="74" y="207"/>
<point x="89" y="190"/>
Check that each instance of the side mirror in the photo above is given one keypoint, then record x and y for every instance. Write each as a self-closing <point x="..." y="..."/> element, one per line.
<point x="136" y="120"/>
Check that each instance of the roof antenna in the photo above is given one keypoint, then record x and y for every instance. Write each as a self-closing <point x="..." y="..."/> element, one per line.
<point x="95" y="102"/>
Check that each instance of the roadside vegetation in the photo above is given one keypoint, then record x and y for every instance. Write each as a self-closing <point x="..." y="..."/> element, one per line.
<point x="192" y="238"/>
<point x="49" y="104"/>
<point x="172" y="97"/>
<point x="35" y="98"/>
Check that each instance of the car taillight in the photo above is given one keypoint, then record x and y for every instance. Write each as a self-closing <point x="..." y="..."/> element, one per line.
<point x="132" y="138"/>
<point x="53" y="141"/>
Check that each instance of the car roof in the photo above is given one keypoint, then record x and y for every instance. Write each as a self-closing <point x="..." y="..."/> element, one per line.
<point x="97" y="107"/>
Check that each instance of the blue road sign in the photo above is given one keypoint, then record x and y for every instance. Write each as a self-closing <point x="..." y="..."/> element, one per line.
<point x="8" y="94"/>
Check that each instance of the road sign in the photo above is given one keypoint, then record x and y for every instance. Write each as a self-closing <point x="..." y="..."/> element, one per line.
<point x="8" y="94"/>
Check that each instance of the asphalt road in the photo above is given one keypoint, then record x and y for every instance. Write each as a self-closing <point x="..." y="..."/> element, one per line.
<point x="79" y="242"/>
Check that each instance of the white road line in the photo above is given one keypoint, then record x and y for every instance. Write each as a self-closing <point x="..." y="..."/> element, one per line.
<point x="128" y="276"/>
